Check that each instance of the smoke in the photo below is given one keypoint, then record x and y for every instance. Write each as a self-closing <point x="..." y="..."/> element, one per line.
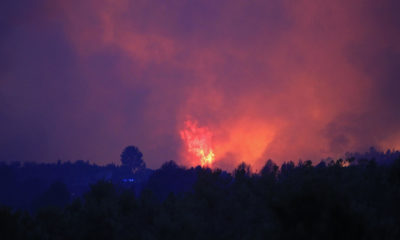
<point x="270" y="79"/>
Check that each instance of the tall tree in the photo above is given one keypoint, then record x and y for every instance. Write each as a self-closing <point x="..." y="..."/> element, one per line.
<point x="132" y="158"/>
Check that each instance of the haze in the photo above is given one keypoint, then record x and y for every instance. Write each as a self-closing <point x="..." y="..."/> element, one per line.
<point x="275" y="79"/>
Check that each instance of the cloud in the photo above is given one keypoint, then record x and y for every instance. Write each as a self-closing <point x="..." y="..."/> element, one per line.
<point x="271" y="79"/>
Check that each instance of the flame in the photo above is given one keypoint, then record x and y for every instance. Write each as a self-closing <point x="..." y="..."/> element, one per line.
<point x="198" y="143"/>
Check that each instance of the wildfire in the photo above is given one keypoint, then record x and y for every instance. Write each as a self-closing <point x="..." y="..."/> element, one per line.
<point x="198" y="142"/>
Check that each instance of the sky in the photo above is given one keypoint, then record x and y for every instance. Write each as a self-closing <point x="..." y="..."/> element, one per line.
<point x="271" y="79"/>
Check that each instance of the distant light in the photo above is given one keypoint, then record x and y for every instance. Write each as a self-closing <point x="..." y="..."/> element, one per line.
<point x="128" y="180"/>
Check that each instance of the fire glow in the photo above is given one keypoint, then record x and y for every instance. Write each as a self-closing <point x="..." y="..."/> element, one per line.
<point x="198" y="143"/>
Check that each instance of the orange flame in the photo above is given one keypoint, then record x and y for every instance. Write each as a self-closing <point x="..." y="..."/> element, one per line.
<point x="198" y="142"/>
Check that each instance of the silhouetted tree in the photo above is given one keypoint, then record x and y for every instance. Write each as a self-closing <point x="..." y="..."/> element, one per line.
<point x="242" y="171"/>
<point x="131" y="157"/>
<point x="270" y="169"/>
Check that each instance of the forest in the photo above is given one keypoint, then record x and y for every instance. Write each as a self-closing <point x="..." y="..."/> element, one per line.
<point x="352" y="198"/>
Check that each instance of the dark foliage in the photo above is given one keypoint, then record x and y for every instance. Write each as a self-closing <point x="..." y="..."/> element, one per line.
<point x="30" y="185"/>
<point x="132" y="158"/>
<point x="334" y="200"/>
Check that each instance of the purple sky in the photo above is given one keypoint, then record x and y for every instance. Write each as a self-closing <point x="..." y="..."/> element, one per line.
<point x="273" y="79"/>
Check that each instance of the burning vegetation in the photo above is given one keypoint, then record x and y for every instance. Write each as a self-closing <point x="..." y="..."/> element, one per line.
<point x="198" y="141"/>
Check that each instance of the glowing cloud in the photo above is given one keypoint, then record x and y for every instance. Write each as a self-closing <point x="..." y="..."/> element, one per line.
<point x="264" y="79"/>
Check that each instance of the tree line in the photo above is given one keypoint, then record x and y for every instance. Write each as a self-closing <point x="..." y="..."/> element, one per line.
<point x="353" y="198"/>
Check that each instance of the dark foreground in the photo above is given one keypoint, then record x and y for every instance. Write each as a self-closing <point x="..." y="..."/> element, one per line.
<point x="327" y="201"/>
